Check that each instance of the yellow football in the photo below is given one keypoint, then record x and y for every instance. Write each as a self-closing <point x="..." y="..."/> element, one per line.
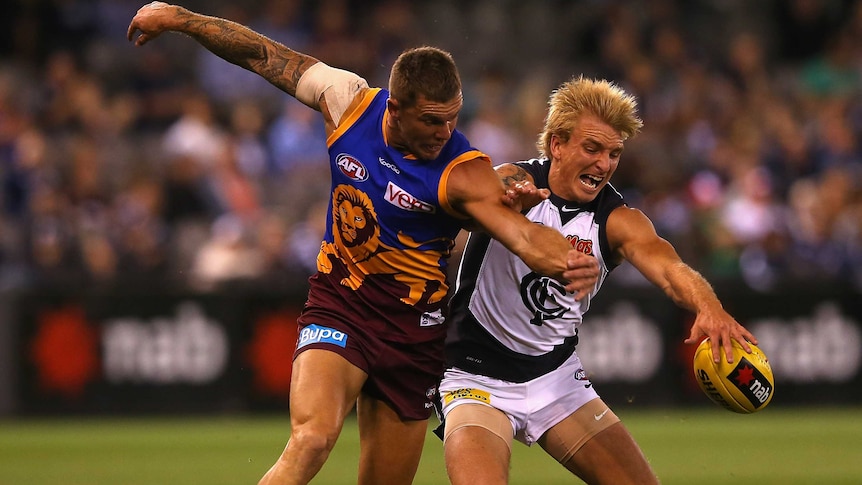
<point x="745" y="386"/>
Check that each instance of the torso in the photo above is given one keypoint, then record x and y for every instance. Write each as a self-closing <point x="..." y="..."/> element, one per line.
<point x="390" y="230"/>
<point x="510" y="322"/>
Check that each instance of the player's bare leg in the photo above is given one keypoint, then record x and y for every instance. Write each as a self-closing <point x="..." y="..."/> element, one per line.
<point x="390" y="448"/>
<point x="478" y="445"/>
<point x="317" y="417"/>
<point x="611" y="457"/>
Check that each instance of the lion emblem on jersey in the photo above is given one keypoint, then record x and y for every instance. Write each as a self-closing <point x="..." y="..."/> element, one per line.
<point x="356" y="243"/>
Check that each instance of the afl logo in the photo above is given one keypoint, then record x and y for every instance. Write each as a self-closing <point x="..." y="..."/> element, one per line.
<point x="544" y="297"/>
<point x="351" y="167"/>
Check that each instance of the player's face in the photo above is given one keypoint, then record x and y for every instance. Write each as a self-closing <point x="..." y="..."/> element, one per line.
<point x="584" y="164"/>
<point x="423" y="129"/>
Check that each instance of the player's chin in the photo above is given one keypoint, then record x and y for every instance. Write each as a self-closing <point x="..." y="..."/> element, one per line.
<point x="431" y="153"/>
<point x="585" y="196"/>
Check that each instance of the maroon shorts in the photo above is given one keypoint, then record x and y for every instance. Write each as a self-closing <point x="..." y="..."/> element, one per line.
<point x="403" y="375"/>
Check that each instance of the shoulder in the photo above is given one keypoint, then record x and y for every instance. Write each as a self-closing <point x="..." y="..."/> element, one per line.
<point x="469" y="181"/>
<point x="608" y="200"/>
<point x="472" y="174"/>
<point x="627" y="225"/>
<point x="341" y="117"/>
<point x="534" y="171"/>
<point x="537" y="169"/>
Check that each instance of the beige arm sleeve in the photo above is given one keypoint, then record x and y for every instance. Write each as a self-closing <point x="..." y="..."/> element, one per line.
<point x="338" y="86"/>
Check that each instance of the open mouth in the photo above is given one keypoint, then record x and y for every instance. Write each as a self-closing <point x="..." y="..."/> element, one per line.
<point x="591" y="181"/>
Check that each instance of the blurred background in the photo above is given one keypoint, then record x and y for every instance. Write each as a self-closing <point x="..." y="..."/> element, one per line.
<point x="161" y="209"/>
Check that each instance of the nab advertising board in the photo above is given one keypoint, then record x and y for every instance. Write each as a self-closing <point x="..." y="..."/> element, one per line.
<point x="113" y="353"/>
<point x="140" y="353"/>
<point x="632" y="345"/>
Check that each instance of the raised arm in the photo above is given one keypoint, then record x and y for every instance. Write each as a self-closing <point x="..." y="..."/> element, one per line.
<point x="231" y="41"/>
<point x="632" y="237"/>
<point x="477" y="191"/>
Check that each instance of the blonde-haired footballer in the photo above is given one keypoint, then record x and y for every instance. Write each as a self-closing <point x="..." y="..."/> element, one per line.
<point x="404" y="183"/>
<point x="512" y="370"/>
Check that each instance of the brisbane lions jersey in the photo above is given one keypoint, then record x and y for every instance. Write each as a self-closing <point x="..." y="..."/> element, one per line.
<point x="389" y="232"/>
<point x="509" y="322"/>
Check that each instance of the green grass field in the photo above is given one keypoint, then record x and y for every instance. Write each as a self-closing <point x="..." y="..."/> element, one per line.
<point x="703" y="446"/>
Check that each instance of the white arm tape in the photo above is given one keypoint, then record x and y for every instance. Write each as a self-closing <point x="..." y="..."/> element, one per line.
<point x="339" y="87"/>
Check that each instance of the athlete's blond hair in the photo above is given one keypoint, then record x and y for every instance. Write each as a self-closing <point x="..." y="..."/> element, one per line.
<point x="579" y="96"/>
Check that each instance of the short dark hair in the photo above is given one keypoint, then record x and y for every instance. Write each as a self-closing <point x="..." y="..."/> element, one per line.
<point x="426" y="71"/>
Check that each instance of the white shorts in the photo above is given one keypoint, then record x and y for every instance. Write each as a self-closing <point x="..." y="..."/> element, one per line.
<point x="533" y="407"/>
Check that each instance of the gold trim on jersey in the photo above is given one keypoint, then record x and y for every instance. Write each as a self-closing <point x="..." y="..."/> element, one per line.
<point x="348" y="119"/>
<point x="443" y="193"/>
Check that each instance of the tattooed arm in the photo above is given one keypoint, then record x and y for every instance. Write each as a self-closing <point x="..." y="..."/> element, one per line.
<point x="521" y="194"/>
<point x="231" y="41"/>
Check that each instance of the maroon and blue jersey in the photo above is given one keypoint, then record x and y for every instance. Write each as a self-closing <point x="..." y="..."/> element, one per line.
<point x="390" y="230"/>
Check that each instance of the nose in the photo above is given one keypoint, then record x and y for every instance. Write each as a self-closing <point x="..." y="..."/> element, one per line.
<point x="604" y="162"/>
<point x="445" y="131"/>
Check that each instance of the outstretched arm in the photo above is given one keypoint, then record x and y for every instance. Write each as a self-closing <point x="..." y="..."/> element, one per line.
<point x="231" y="41"/>
<point x="476" y="190"/>
<point x="632" y="237"/>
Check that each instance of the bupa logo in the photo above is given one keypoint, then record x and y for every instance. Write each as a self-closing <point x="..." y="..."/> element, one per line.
<point x="402" y="199"/>
<point x="316" y="334"/>
<point x="751" y="382"/>
<point x="351" y="167"/>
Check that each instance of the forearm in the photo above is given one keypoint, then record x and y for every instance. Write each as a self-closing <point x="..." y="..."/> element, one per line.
<point x="475" y="190"/>
<point x="246" y="48"/>
<point x="689" y="289"/>
<point x="544" y="250"/>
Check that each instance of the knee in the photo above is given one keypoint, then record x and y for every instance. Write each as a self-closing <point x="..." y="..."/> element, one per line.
<point x="312" y="439"/>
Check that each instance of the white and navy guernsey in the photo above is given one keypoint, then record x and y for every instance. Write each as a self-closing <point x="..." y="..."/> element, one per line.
<point x="510" y="323"/>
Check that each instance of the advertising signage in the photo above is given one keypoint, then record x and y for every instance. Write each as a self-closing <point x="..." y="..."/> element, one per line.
<point x="116" y="353"/>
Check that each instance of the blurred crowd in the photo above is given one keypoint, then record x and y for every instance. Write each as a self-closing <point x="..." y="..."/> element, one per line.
<point x="165" y="165"/>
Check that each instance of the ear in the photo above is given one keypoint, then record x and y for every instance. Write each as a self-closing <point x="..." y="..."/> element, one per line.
<point x="393" y="108"/>
<point x="556" y="144"/>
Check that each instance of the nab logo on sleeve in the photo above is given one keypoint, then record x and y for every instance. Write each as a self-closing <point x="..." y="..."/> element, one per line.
<point x="313" y="334"/>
